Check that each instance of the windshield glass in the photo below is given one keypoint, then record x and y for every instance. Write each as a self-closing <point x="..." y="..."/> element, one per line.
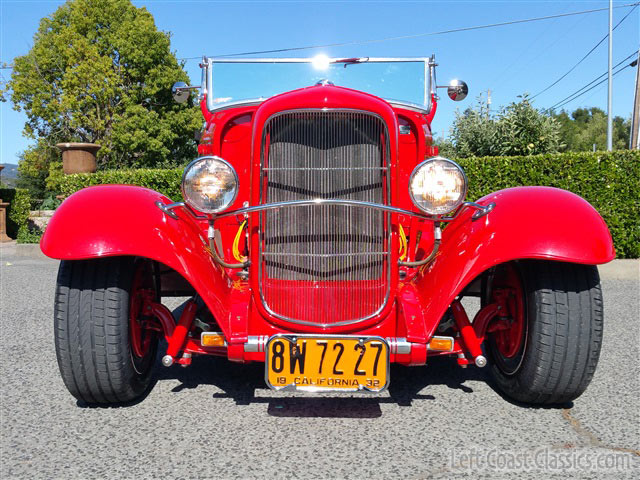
<point x="390" y="80"/>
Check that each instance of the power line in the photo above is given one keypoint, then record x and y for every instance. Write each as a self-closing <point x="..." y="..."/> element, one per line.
<point x="590" y="83"/>
<point x="588" y="53"/>
<point x="578" y="93"/>
<point x="596" y="85"/>
<point x="404" y="37"/>
<point x="523" y="55"/>
<point x="417" y="35"/>
<point x="581" y="91"/>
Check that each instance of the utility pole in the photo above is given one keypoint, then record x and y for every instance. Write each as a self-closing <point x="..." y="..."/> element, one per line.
<point x="488" y="102"/>
<point x="609" y="116"/>
<point x="634" y="143"/>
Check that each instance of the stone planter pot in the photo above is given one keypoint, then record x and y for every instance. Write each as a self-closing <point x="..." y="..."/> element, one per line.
<point x="78" y="157"/>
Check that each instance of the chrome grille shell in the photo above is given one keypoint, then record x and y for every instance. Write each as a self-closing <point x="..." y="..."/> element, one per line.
<point x="325" y="153"/>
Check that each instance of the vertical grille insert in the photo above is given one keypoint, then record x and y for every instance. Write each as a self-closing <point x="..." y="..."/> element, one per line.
<point x="324" y="264"/>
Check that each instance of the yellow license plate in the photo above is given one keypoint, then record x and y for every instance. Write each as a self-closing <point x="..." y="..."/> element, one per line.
<point x="317" y="363"/>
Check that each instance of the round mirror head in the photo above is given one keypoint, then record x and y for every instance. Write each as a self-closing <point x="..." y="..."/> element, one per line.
<point x="457" y="90"/>
<point x="179" y="92"/>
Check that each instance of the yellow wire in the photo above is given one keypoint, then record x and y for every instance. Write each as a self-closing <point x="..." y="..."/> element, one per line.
<point x="236" y="242"/>
<point x="403" y="243"/>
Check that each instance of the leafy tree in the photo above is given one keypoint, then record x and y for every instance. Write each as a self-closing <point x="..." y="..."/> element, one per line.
<point x="33" y="167"/>
<point x="517" y="129"/>
<point x="99" y="71"/>
<point x="587" y="126"/>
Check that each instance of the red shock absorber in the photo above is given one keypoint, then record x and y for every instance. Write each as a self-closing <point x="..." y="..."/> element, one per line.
<point x="471" y="340"/>
<point x="176" y="342"/>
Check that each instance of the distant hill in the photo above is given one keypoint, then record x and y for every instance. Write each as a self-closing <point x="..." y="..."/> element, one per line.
<point x="9" y="174"/>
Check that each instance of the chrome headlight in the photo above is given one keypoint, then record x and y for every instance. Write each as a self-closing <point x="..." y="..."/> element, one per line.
<point x="437" y="186"/>
<point x="209" y="184"/>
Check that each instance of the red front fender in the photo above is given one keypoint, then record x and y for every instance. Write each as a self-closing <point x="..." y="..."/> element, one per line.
<point x="527" y="222"/>
<point x="114" y="220"/>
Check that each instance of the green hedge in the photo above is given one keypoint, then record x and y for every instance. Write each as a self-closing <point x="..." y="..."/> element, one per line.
<point x="609" y="181"/>
<point x="166" y="182"/>
<point x="17" y="212"/>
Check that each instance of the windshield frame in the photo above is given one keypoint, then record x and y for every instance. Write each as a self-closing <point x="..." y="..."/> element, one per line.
<point x="208" y="86"/>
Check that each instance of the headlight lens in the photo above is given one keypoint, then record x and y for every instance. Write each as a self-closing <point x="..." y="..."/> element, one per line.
<point x="209" y="184"/>
<point x="437" y="186"/>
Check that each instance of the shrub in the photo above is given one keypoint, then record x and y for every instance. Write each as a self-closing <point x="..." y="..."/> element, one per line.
<point x="18" y="210"/>
<point x="517" y="129"/>
<point x="609" y="181"/>
<point x="49" y="203"/>
<point x="166" y="181"/>
<point x="29" y="235"/>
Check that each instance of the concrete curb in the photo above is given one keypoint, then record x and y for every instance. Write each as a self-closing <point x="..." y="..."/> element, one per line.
<point x="28" y="250"/>
<point x="622" y="269"/>
<point x="31" y="250"/>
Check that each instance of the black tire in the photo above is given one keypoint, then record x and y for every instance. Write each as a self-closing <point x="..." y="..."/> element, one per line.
<point x="92" y="332"/>
<point x="562" y="337"/>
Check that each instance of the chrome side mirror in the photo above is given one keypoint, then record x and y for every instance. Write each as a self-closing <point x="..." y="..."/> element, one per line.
<point x="180" y="92"/>
<point x="457" y="90"/>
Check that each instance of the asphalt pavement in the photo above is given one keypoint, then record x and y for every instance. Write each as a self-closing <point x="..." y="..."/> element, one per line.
<point x="217" y="419"/>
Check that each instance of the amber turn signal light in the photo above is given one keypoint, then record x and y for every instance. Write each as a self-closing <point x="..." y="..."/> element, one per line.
<point x="441" y="344"/>
<point x="212" y="339"/>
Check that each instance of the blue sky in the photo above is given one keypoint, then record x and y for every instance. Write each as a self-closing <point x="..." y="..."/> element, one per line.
<point x="509" y="60"/>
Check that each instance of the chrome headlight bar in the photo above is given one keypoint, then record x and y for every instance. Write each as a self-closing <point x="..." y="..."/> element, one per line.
<point x="482" y="210"/>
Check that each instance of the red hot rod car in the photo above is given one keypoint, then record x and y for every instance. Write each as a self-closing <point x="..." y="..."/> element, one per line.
<point x="322" y="234"/>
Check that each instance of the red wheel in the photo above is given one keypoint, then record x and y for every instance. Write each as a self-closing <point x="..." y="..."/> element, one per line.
<point x="508" y="332"/>
<point x="142" y="328"/>
<point x="141" y="293"/>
